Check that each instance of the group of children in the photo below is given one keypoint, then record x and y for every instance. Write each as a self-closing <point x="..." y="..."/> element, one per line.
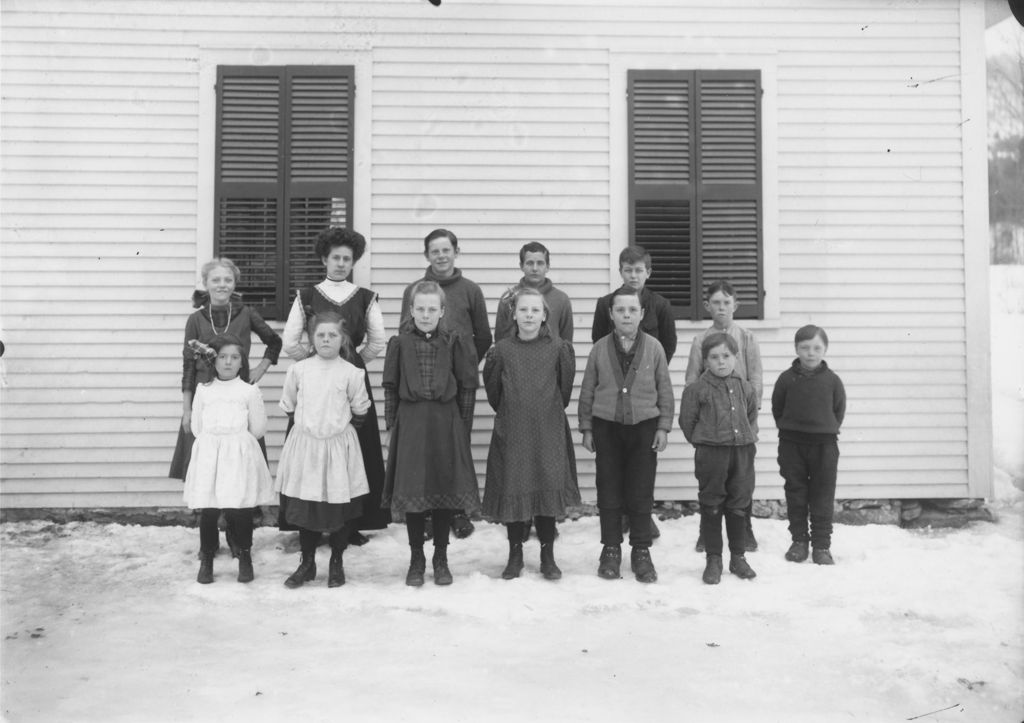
<point x="430" y="379"/>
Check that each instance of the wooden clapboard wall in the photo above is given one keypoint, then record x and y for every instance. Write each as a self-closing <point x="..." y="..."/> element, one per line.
<point x="505" y="122"/>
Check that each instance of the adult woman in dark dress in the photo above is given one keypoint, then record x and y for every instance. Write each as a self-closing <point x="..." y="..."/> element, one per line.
<point x="339" y="249"/>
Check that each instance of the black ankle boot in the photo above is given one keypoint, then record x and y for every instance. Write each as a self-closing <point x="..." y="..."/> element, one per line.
<point x="610" y="563"/>
<point x="548" y="568"/>
<point x="305" y="572"/>
<point x="245" y="573"/>
<point x="515" y="561"/>
<point x="205" y="576"/>
<point x="713" y="570"/>
<point x="641" y="564"/>
<point x="739" y="567"/>
<point x="335" y="570"/>
<point x="417" y="566"/>
<point x="442" y="575"/>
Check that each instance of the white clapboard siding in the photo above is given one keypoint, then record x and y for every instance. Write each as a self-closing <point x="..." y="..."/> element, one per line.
<point x="496" y="120"/>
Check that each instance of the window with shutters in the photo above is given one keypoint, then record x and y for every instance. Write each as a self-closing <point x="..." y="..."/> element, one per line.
<point x="695" y="183"/>
<point x="283" y="174"/>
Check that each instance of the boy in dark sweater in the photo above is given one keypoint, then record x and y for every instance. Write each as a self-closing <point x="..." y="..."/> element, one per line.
<point x="718" y="416"/>
<point x="809" y="404"/>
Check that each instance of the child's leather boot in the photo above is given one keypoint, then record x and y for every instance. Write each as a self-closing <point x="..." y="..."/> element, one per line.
<point x="641" y="564"/>
<point x="798" y="551"/>
<point x="610" y="563"/>
<point x="739" y="567"/>
<point x="515" y="561"/>
<point x="713" y="570"/>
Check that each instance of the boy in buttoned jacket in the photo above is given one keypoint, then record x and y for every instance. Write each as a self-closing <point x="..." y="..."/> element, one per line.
<point x="625" y="414"/>
<point x="718" y="416"/>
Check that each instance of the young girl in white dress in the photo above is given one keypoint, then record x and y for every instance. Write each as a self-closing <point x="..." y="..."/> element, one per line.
<point x="227" y="471"/>
<point x="321" y="472"/>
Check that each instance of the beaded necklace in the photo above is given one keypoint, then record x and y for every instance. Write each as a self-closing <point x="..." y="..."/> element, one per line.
<point x="226" y="323"/>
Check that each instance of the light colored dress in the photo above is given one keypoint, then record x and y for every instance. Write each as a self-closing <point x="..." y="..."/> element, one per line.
<point x="227" y="468"/>
<point x="321" y="460"/>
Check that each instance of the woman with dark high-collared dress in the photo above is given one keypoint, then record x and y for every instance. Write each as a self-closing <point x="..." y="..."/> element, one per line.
<point x="339" y="249"/>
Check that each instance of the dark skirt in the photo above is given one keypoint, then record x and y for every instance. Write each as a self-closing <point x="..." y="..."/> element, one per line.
<point x="374" y="516"/>
<point x="319" y="516"/>
<point x="429" y="461"/>
<point x="183" y="453"/>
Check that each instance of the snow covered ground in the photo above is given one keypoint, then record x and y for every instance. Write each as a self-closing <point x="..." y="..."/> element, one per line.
<point x="104" y="623"/>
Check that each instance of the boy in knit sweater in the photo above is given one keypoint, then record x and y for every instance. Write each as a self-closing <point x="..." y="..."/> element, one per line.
<point x="809" y="403"/>
<point x="535" y="261"/>
<point x="625" y="413"/>
<point x="718" y="416"/>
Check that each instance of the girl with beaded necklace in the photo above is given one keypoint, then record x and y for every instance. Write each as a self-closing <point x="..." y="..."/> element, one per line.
<point x="219" y="310"/>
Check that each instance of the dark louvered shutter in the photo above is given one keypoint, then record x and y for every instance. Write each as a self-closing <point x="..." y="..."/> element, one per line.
<point x="248" y="180"/>
<point x="694" y="182"/>
<point x="729" y="169"/>
<point x="284" y="163"/>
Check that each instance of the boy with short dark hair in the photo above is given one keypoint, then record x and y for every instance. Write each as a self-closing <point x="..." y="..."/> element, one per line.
<point x="625" y="414"/>
<point x="809" y="404"/>
<point x="718" y="416"/>
<point x="535" y="261"/>
<point x="635" y="268"/>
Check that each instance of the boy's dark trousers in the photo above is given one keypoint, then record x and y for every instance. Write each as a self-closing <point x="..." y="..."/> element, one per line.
<point x="810" y="474"/>
<point x="626" y="468"/>
<point x="239" y="521"/>
<point x="725" y="479"/>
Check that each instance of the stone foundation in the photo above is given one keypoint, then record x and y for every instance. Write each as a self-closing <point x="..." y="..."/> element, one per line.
<point x="906" y="513"/>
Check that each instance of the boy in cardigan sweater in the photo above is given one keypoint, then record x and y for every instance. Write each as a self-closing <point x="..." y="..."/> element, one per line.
<point x="625" y="413"/>
<point x="718" y="416"/>
<point x="809" y="403"/>
<point x="635" y="268"/>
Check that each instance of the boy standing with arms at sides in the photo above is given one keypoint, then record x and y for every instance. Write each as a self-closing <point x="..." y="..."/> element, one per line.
<point x="720" y="301"/>
<point x="718" y="416"/>
<point x="809" y="403"/>
<point x="635" y="268"/>
<point x="535" y="260"/>
<point x="465" y="314"/>
<point x="625" y="413"/>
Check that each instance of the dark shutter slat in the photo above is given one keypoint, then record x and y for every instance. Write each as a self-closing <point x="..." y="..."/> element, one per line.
<point x="663" y="229"/>
<point x="320" y="128"/>
<point x="250" y="108"/>
<point x="661" y="130"/>
<point x="728" y="130"/>
<point x="730" y="248"/>
<point x="247" y="234"/>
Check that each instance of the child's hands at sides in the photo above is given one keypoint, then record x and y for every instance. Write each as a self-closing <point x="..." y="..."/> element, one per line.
<point x="588" y="442"/>
<point x="660" y="441"/>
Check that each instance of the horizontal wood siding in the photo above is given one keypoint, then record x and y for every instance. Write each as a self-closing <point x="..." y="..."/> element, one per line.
<point x="494" y="120"/>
